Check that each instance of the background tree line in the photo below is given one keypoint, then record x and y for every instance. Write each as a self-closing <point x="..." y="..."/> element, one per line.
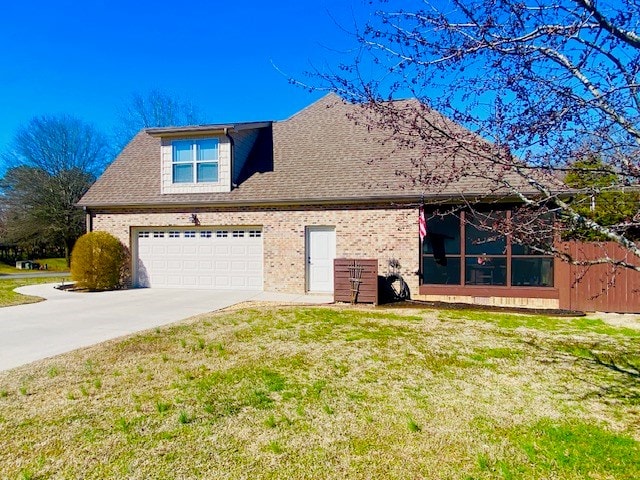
<point x="53" y="160"/>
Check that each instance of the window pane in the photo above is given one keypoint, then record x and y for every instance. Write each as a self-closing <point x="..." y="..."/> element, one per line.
<point x="486" y="271"/>
<point x="182" y="151"/>
<point x="480" y="239"/>
<point x="182" y="173"/>
<point x="531" y="228"/>
<point x="537" y="272"/>
<point x="441" y="273"/>
<point x="207" y="172"/>
<point x="443" y="237"/>
<point x="207" y="149"/>
<point x="523" y="250"/>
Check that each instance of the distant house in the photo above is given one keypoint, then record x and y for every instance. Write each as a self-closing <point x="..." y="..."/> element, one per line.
<point x="270" y="205"/>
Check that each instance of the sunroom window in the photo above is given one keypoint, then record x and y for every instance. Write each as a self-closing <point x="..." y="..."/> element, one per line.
<point x="485" y="250"/>
<point x="463" y="249"/>
<point x="529" y="267"/>
<point x="195" y="161"/>
<point x="441" y="251"/>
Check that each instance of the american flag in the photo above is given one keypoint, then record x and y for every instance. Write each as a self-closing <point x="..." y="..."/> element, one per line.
<point x="422" y="225"/>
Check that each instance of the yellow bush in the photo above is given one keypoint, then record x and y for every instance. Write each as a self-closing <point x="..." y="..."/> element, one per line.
<point x="99" y="262"/>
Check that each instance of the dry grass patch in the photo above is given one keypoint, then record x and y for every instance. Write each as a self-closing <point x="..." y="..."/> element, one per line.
<point x="332" y="393"/>
<point x="8" y="296"/>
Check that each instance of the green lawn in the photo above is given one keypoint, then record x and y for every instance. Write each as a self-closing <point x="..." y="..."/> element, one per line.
<point x="4" y="268"/>
<point x="53" y="264"/>
<point x="333" y="392"/>
<point x="7" y="285"/>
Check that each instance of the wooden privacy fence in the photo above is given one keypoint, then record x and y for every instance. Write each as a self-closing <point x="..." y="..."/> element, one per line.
<point x="603" y="288"/>
<point x="355" y="280"/>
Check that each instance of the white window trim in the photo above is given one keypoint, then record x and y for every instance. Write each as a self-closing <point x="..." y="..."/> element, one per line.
<point x="194" y="162"/>
<point x="224" y="168"/>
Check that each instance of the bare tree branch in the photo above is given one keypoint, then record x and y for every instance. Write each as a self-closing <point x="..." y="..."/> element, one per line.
<point x="152" y="109"/>
<point x="539" y="86"/>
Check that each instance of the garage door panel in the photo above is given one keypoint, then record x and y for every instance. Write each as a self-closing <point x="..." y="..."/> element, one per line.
<point x="159" y="280"/>
<point x="254" y="267"/>
<point x="190" y="280"/>
<point x="239" y="266"/>
<point x="200" y="259"/>
<point x="189" y="265"/>
<point x="174" y="265"/>
<point x="238" y="282"/>
<point x="238" y="250"/>
<point x="223" y="265"/>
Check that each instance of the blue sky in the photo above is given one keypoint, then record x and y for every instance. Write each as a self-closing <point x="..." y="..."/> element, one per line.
<point x="87" y="58"/>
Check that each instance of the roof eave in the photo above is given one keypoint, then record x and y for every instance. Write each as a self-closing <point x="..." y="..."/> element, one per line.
<point x="374" y="199"/>
<point x="205" y="129"/>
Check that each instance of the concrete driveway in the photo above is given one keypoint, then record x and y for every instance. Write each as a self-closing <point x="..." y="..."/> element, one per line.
<point x="68" y="320"/>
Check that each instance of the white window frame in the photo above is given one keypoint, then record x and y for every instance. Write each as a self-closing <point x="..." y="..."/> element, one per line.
<point x="194" y="162"/>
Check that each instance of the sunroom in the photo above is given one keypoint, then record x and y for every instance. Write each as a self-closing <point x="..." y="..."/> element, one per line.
<point x="471" y="253"/>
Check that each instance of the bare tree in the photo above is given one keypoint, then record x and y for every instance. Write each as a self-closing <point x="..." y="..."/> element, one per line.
<point x="153" y="109"/>
<point x="52" y="162"/>
<point x="3" y="221"/>
<point x="540" y="84"/>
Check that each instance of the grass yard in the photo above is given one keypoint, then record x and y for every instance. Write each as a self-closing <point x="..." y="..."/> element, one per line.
<point x="53" y="264"/>
<point x="331" y="392"/>
<point x="8" y="297"/>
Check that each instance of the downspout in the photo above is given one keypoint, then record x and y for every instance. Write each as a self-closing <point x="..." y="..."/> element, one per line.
<point x="88" y="219"/>
<point x="231" y="155"/>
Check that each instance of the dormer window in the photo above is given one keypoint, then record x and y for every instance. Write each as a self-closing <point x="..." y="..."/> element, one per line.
<point x="195" y="161"/>
<point x="205" y="158"/>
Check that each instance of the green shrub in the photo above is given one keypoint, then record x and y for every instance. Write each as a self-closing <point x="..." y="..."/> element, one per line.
<point x="99" y="262"/>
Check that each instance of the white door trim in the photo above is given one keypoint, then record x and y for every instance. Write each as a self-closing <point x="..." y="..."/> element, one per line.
<point x="320" y="251"/>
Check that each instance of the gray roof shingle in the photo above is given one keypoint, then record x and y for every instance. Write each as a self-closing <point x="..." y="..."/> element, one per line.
<point x="328" y="152"/>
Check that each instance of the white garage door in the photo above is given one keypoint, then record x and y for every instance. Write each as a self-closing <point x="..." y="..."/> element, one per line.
<point x="220" y="258"/>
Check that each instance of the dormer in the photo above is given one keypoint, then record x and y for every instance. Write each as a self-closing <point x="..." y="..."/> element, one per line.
<point x="204" y="158"/>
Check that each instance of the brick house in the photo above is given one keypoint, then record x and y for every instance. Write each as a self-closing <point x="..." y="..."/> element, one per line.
<point x="269" y="205"/>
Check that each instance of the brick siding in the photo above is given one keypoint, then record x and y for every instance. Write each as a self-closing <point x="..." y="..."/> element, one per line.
<point x="361" y="232"/>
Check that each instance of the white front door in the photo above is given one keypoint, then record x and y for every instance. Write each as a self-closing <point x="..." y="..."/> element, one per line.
<point x="321" y="251"/>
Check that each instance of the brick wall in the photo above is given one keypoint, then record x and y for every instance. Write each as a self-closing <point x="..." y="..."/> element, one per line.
<point x="371" y="232"/>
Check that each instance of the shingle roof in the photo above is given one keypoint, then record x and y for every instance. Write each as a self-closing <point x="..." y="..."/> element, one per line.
<point x="328" y="152"/>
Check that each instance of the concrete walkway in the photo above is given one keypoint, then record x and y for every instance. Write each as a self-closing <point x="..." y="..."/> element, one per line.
<point x="69" y="320"/>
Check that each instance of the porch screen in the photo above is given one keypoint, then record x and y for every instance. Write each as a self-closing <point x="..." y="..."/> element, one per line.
<point x="463" y="249"/>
